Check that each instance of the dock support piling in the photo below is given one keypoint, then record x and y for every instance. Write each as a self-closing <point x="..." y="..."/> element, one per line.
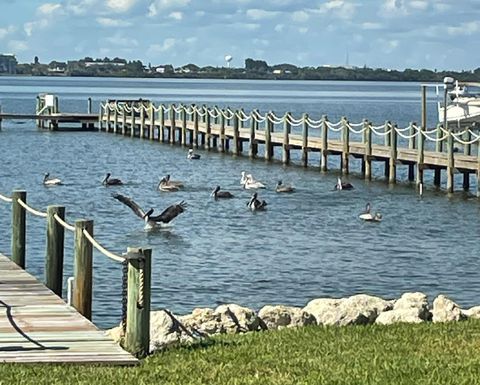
<point x="132" y="123"/>
<point x="142" y="121"/>
<point x="208" y="129"/>
<point x="222" y="131"/>
<point x="18" y="228"/>
<point x="161" y="127"/>
<point x="252" y="153"/>
<point x="151" y="130"/>
<point x="54" y="250"/>
<point x="115" y="119"/>
<point x="89" y="105"/>
<point x="268" y="137"/>
<point x="236" y="138"/>
<point x="437" y="177"/>
<point x="368" y="150"/>
<point x="183" y="116"/>
<point x="82" y="270"/>
<point x="450" y="162"/>
<point x="305" y="140"/>
<point x="421" y="139"/>
<point x="392" y="174"/>
<point x="171" y="130"/>
<point x="286" y="139"/>
<point x="345" y="146"/>
<point x="195" y="126"/>
<point x="324" y="156"/>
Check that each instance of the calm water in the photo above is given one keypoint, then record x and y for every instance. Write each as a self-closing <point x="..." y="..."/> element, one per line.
<point x="308" y="244"/>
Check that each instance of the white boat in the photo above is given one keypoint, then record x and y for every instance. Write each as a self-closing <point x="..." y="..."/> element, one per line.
<point x="463" y="104"/>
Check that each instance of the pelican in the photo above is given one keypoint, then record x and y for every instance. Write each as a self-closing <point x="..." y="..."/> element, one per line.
<point x="151" y="221"/>
<point x="221" y="194"/>
<point x="192" y="155"/>
<point x="284" y="188"/>
<point x="50" y="181"/>
<point x="111" y="182"/>
<point x="343" y="186"/>
<point x="254" y="204"/>
<point x="164" y="185"/>
<point x="368" y="216"/>
<point x="249" y="183"/>
<point x="175" y="183"/>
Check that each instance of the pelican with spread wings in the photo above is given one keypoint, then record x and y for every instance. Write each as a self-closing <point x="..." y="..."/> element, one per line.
<point x="151" y="221"/>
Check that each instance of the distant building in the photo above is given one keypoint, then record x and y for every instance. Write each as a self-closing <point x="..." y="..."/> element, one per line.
<point x="8" y="64"/>
<point x="103" y="63"/>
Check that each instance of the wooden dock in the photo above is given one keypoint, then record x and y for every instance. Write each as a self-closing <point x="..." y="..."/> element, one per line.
<point x="36" y="326"/>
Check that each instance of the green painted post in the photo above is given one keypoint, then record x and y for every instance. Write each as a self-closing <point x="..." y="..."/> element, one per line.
<point x="137" y="333"/>
<point x="18" y="228"/>
<point x="286" y="138"/>
<point x="305" y="140"/>
<point x="82" y="269"/>
<point x="54" y="250"/>
<point x="324" y="156"/>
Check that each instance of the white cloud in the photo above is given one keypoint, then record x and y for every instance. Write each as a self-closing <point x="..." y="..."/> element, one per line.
<point x="176" y="15"/>
<point x="300" y="16"/>
<point x="260" y="14"/>
<point x="109" y="22"/>
<point x="80" y="7"/>
<point x="279" y="28"/>
<point x="468" y="28"/>
<point x="303" y="30"/>
<point x="167" y="45"/>
<point x="263" y="42"/>
<point x="4" y="32"/>
<point x="419" y="4"/>
<point x="392" y="8"/>
<point x="119" y="40"/>
<point x="16" y="46"/>
<point x="49" y="8"/>
<point x="371" y="26"/>
<point x="120" y="6"/>
<point x="159" y="5"/>
<point x="342" y="9"/>
<point x="31" y="26"/>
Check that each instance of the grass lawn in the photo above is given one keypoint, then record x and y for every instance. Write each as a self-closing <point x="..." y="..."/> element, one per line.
<point x="437" y="354"/>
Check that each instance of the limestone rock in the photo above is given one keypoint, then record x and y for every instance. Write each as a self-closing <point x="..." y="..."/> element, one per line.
<point x="445" y="310"/>
<point x="203" y="320"/>
<point x="408" y="315"/>
<point x="414" y="301"/>
<point x="166" y="330"/>
<point x="323" y="309"/>
<point x="278" y="317"/>
<point x="473" y="312"/>
<point x="237" y="319"/>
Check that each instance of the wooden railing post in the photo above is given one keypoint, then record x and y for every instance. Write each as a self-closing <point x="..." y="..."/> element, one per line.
<point x="222" y="130"/>
<point x="107" y="125"/>
<point x="286" y="138"/>
<point x="252" y="153"/>
<point x="208" y="128"/>
<point x="89" y="105"/>
<point x="236" y="138"/>
<point x="345" y="146"/>
<point x="183" y="116"/>
<point x="305" y="140"/>
<point x="195" y="127"/>
<point x="451" y="162"/>
<point x="268" y="137"/>
<point x="142" y="121"/>
<point x="18" y="228"/>
<point x="420" y="157"/>
<point x="137" y="333"/>
<point x="124" y="120"/>
<point x="151" y="131"/>
<point x="82" y="269"/>
<point x="324" y="156"/>
<point x="132" y="125"/>
<point x="392" y="174"/>
<point x="54" y="250"/>
<point x="173" y="123"/>
<point x="115" y="119"/>
<point x="368" y="150"/>
<point x="411" y="145"/>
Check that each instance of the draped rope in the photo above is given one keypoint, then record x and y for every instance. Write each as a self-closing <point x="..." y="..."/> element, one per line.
<point x="63" y="223"/>
<point x="31" y="210"/>
<point x="6" y="199"/>
<point x="103" y="250"/>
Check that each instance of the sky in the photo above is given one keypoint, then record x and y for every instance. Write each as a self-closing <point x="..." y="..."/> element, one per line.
<point x="392" y="34"/>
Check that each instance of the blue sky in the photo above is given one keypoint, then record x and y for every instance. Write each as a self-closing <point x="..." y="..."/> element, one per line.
<point x="398" y="34"/>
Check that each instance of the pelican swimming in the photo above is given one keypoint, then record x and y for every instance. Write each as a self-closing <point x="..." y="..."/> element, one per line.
<point x="284" y="188"/>
<point x="176" y="183"/>
<point x="249" y="183"/>
<point x="368" y="216"/>
<point x="50" y="181"/>
<point x="151" y="221"/>
<point x="111" y="181"/>
<point x="255" y="204"/>
<point x="217" y="194"/>
<point x="165" y="185"/>
<point x="192" y="155"/>
<point x="343" y="186"/>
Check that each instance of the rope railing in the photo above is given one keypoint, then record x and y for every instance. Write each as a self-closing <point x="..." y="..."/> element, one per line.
<point x="31" y="210"/>
<point x="6" y="199"/>
<point x="103" y="250"/>
<point x="64" y="224"/>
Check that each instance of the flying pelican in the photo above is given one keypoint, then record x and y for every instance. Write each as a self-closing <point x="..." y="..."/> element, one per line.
<point x="192" y="155"/>
<point x="368" y="216"/>
<point x="221" y="194"/>
<point x="151" y="221"/>
<point x="111" y="182"/>
<point x="164" y="185"/>
<point x="284" y="188"/>
<point x="343" y="186"/>
<point x="254" y="204"/>
<point x="50" y="181"/>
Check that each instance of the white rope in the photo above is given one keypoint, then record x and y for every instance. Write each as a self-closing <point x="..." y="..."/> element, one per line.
<point x="31" y="210"/>
<point x="333" y="126"/>
<point x="474" y="140"/>
<point x="293" y="122"/>
<point x="177" y="109"/>
<point x="213" y="114"/>
<point x="63" y="223"/>
<point x="165" y="109"/>
<point x="376" y="128"/>
<point x="351" y="125"/>
<point x="312" y="121"/>
<point x="259" y="118"/>
<point x="102" y="249"/>
<point x="224" y="113"/>
<point x="425" y="134"/>
<point x="245" y="118"/>
<point x="406" y="136"/>
<point x="315" y="123"/>
<point x="5" y="199"/>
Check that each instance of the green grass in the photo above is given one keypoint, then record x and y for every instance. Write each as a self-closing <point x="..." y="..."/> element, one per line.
<point x="437" y="354"/>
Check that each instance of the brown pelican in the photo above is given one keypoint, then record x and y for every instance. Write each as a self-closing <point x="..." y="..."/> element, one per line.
<point x="254" y="204"/>
<point x="192" y="155"/>
<point x="217" y="194"/>
<point x="368" y="216"/>
<point x="111" y="182"/>
<point x="284" y="188"/>
<point x="50" y="181"/>
<point x="151" y="221"/>
<point x="175" y="183"/>
<point x="343" y="186"/>
<point x="164" y="185"/>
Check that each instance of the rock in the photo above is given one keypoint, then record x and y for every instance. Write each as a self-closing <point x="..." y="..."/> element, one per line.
<point x="408" y="315"/>
<point x="203" y="320"/>
<point x="473" y="312"/>
<point x="166" y="330"/>
<point x="445" y="310"/>
<point x="237" y="319"/>
<point x="359" y="309"/>
<point x="417" y="301"/>
<point x="278" y="317"/>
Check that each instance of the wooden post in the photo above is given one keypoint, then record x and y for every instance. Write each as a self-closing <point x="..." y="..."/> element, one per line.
<point x="305" y="140"/>
<point x="107" y="123"/>
<point x="286" y="139"/>
<point x="421" y="140"/>
<point x="82" y="269"/>
<point x="324" y="156"/>
<point x="203" y="121"/>
<point x="478" y="169"/>
<point x="466" y="181"/>
<point x="115" y="119"/>
<point x="222" y="131"/>
<point x="38" y="108"/>
<point x="439" y="135"/>
<point x="467" y="137"/>
<point x="252" y="152"/>
<point x="124" y="120"/>
<point x="411" y="145"/>
<point x="450" y="163"/>
<point x="0" y="117"/>
<point x="89" y="105"/>
<point x="142" y="121"/>
<point x="392" y="174"/>
<point x="268" y="138"/>
<point x="387" y="144"/>
<point x="368" y="150"/>
<point x="208" y="129"/>
<point x="54" y="250"/>
<point x="18" y="228"/>
<point x="137" y="333"/>
<point x="345" y="146"/>
<point x="236" y="138"/>
<point x="151" y="132"/>
<point x="132" y="126"/>
<point x="173" y="123"/>
<point x="161" y="126"/>
<point x="195" y="127"/>
<point x="437" y="177"/>
<point x="183" y="117"/>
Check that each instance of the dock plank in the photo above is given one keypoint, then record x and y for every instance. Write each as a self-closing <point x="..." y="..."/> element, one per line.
<point x="36" y="326"/>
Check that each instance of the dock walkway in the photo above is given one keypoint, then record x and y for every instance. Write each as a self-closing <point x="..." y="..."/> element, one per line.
<point x="36" y="326"/>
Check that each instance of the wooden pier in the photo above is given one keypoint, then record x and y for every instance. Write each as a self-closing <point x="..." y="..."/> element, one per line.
<point x="225" y="130"/>
<point x="38" y="326"/>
